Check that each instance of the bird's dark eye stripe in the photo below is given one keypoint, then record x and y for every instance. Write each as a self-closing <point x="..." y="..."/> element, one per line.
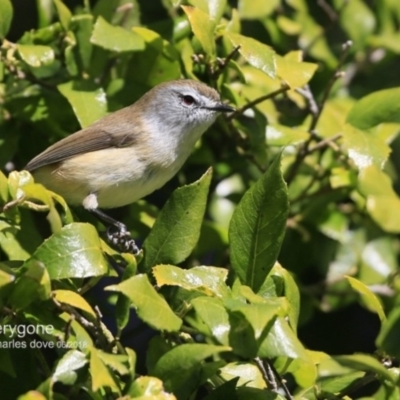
<point x="188" y="100"/>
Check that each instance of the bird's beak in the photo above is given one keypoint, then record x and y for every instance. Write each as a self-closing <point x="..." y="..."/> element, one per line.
<point x="221" y="107"/>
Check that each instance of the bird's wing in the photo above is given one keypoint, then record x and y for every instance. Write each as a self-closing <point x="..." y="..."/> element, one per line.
<point x="92" y="138"/>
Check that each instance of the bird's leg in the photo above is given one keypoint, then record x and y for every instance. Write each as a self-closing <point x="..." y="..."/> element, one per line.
<point x="117" y="233"/>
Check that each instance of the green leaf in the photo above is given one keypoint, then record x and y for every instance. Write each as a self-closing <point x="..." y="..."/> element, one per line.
<point x="150" y="388"/>
<point x="100" y="375"/>
<point x="150" y="306"/>
<point x="213" y="313"/>
<point x="203" y="28"/>
<point x="36" y="56"/>
<point x="87" y="100"/>
<point x="365" y="148"/>
<point x="246" y="338"/>
<point x="256" y="9"/>
<point x="283" y="285"/>
<point x="280" y="135"/>
<point x="177" y="228"/>
<point x="249" y="374"/>
<point x="388" y="338"/>
<point x="115" y="38"/>
<point x="293" y="70"/>
<point x="375" y="108"/>
<point x="257" y="54"/>
<point x="32" y="283"/>
<point x="258" y="226"/>
<point x="367" y="363"/>
<point x="369" y="299"/>
<point x="382" y="202"/>
<point x="357" y="20"/>
<point x="73" y="252"/>
<point x="74" y="300"/>
<point x="208" y="280"/>
<point x="63" y="14"/>
<point x="214" y="8"/>
<point x="6" y="16"/>
<point x="179" y="368"/>
<point x="282" y="341"/>
<point x="66" y="369"/>
<point x="122" y="308"/>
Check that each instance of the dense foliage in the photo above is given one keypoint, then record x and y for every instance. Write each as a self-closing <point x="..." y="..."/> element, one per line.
<point x="305" y="171"/>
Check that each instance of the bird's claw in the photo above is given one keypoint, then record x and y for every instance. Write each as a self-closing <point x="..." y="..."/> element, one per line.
<point x="120" y="238"/>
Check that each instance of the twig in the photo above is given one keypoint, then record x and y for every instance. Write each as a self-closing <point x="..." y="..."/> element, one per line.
<point x="308" y="95"/>
<point x="281" y="381"/>
<point x="326" y="142"/>
<point x="223" y="62"/>
<point x="267" y="374"/>
<point x="284" y="88"/>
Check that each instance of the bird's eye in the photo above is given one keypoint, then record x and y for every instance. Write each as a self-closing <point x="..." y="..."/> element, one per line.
<point x="188" y="100"/>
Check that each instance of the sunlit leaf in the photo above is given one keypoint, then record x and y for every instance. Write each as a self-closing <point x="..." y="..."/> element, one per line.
<point x="257" y="54"/>
<point x="115" y="38"/>
<point x="203" y="28"/>
<point x="87" y="100"/>
<point x="150" y="306"/>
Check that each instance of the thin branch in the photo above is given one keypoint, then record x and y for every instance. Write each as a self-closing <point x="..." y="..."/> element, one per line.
<point x="308" y="95"/>
<point x="223" y="62"/>
<point x="284" y="88"/>
<point x="282" y="382"/>
<point x="267" y="374"/>
<point x="326" y="142"/>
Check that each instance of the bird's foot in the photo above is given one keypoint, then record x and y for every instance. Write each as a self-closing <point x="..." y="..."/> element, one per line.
<point x="120" y="238"/>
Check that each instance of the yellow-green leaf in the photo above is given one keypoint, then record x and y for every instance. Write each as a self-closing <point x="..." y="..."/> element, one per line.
<point x="73" y="299"/>
<point x="203" y="28"/>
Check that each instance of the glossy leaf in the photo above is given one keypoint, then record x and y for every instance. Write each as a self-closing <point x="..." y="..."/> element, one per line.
<point x="73" y="299"/>
<point x="255" y="53"/>
<point x="150" y="306"/>
<point x="365" y="148"/>
<point x="375" y="108"/>
<point x="74" y="252"/>
<point x="87" y="100"/>
<point x="115" y="38"/>
<point x="213" y="313"/>
<point x="208" y="280"/>
<point x="257" y="227"/>
<point x="177" y="228"/>
<point x="203" y="28"/>
<point x="36" y="56"/>
<point x="66" y="369"/>
<point x="6" y="16"/>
